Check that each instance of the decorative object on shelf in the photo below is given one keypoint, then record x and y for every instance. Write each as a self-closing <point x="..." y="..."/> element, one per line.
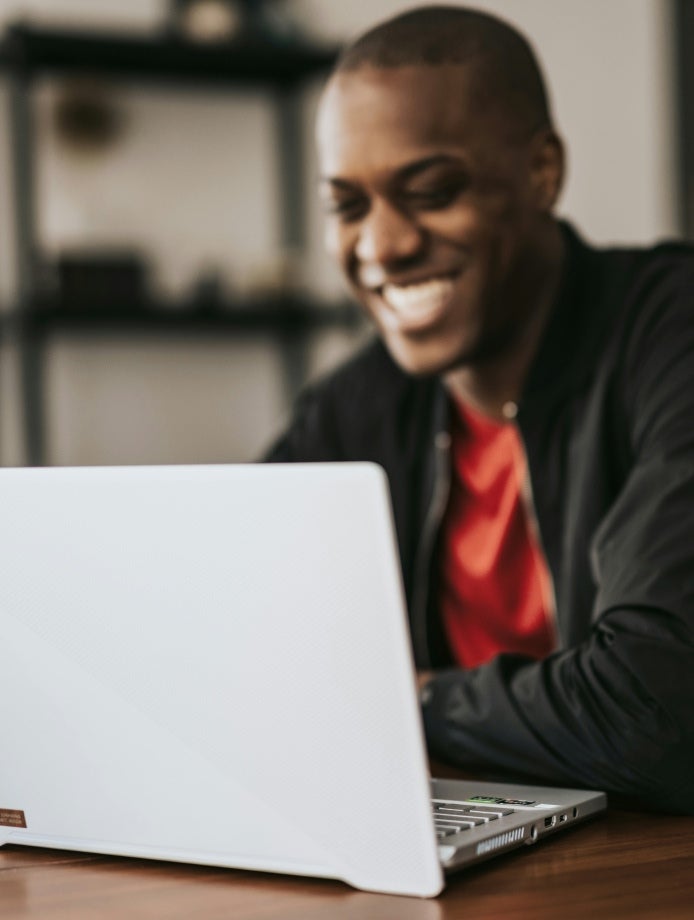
<point x="101" y="279"/>
<point x="209" y="294"/>
<point x="86" y="118"/>
<point x="227" y="20"/>
<point x="207" y="20"/>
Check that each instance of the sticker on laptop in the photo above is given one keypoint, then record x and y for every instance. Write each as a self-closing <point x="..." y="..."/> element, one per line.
<point x="514" y="803"/>
<point x="12" y="817"/>
<point x="496" y="800"/>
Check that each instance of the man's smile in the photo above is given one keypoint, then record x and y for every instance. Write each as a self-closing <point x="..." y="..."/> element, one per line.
<point x="413" y="305"/>
<point x="416" y="306"/>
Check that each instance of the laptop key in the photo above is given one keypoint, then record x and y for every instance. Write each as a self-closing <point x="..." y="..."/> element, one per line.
<point x="497" y="812"/>
<point x="455" y="827"/>
<point x="465" y="808"/>
<point x="468" y="821"/>
<point x="467" y="816"/>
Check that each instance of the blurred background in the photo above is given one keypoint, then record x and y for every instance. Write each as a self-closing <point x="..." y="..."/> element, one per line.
<point x="163" y="291"/>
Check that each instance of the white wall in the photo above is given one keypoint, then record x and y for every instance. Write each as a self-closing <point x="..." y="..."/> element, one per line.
<point x="139" y="15"/>
<point x="193" y="179"/>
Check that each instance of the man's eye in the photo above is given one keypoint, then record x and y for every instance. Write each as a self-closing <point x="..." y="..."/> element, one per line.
<point x="433" y="198"/>
<point x="345" y="208"/>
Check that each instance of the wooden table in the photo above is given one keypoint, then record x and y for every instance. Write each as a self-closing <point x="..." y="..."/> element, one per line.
<point x="623" y="865"/>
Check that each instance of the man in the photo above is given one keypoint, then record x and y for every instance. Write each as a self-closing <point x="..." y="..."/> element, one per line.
<point x="532" y="401"/>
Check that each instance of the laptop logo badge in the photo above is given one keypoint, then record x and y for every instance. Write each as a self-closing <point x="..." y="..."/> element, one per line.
<point x="11" y="817"/>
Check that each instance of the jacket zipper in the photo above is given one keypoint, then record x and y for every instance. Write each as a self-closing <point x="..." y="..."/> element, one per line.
<point x="430" y="529"/>
<point x="528" y="499"/>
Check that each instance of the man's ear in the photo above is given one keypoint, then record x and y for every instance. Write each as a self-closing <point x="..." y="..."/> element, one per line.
<point x="547" y="168"/>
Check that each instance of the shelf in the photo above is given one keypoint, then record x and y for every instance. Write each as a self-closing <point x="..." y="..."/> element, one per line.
<point x="162" y="59"/>
<point x="285" y="317"/>
<point x="34" y="51"/>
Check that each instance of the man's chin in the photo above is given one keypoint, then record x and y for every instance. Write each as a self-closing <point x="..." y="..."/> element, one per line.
<point x="417" y="365"/>
<point x="431" y="361"/>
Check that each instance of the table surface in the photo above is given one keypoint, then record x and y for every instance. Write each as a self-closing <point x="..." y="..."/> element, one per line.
<point x="622" y="865"/>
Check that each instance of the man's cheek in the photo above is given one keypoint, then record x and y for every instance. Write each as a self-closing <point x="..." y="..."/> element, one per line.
<point x="460" y="226"/>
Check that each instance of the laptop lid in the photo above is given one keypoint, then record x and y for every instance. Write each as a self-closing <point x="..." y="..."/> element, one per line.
<point x="211" y="664"/>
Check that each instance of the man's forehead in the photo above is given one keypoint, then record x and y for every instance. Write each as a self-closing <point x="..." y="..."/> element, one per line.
<point x="415" y="109"/>
<point x="425" y="93"/>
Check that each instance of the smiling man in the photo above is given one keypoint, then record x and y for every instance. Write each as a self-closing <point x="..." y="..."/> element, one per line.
<point x="439" y="204"/>
<point x="532" y="401"/>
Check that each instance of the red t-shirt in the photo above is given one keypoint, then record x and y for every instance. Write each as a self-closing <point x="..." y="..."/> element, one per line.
<point x="496" y="592"/>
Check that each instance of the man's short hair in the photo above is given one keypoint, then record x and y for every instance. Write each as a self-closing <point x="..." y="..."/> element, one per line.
<point x="505" y="69"/>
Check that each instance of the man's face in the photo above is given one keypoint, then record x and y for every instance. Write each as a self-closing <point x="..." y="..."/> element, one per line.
<point x="436" y="207"/>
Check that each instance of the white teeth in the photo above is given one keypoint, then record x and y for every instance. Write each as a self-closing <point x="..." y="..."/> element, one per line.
<point x="370" y="276"/>
<point x="414" y="300"/>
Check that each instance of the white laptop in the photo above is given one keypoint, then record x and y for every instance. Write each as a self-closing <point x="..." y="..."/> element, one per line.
<point x="212" y="665"/>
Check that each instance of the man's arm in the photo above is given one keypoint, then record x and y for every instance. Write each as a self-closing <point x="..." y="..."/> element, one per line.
<point x="616" y="712"/>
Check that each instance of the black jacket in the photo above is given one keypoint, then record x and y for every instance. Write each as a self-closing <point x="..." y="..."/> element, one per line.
<point x="607" y="420"/>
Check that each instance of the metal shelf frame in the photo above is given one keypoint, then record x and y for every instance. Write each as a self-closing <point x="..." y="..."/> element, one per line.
<point x="29" y="53"/>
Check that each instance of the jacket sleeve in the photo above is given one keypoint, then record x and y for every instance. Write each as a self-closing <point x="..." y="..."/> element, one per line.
<point x="616" y="712"/>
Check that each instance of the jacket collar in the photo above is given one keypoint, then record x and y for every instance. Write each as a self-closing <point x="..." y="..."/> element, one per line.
<point x="567" y="349"/>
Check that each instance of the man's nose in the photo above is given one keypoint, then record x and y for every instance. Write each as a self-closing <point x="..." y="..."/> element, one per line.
<point x="387" y="235"/>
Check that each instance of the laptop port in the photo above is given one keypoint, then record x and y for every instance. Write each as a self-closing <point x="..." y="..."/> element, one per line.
<point x="563" y="818"/>
<point x="551" y="821"/>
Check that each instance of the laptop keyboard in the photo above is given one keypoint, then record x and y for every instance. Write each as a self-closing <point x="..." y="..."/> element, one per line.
<point x="453" y="818"/>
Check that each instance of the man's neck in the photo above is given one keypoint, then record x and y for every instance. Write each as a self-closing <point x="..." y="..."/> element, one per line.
<point x="494" y="387"/>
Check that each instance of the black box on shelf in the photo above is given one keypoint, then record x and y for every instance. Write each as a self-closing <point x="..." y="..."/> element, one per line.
<point x="101" y="281"/>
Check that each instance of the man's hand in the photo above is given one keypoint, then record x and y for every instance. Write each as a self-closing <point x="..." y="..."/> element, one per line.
<point x="423" y="677"/>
